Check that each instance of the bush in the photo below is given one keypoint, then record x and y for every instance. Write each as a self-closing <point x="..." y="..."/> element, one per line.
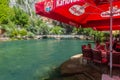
<point x="30" y="35"/>
<point x="23" y="32"/>
<point x="57" y="30"/>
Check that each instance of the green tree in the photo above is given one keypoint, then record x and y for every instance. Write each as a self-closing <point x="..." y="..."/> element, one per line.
<point x="39" y="27"/>
<point x="5" y="11"/>
<point x="11" y="30"/>
<point x="99" y="36"/>
<point x="44" y="29"/>
<point x="27" y="6"/>
<point x="57" y="30"/>
<point x="88" y="31"/>
<point x="21" y="18"/>
<point x="23" y="32"/>
<point x="78" y="30"/>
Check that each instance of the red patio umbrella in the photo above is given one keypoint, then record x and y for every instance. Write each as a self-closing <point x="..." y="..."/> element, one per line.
<point x="77" y="10"/>
<point x="62" y="11"/>
<point x="106" y="28"/>
<point x="40" y="9"/>
<point x="106" y="22"/>
<point x="83" y="11"/>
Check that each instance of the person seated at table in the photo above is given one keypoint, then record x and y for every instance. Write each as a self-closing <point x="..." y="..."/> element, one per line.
<point x="97" y="45"/>
<point x="84" y="46"/>
<point x="89" y="46"/>
<point x="100" y="46"/>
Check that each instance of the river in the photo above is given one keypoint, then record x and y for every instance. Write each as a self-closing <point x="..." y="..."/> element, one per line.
<point x="34" y="59"/>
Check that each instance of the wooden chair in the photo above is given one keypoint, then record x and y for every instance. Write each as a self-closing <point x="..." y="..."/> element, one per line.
<point x="115" y="60"/>
<point x="87" y="54"/>
<point x="97" y="58"/>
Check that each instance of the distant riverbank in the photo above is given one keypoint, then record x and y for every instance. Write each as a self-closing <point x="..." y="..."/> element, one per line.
<point x="81" y="37"/>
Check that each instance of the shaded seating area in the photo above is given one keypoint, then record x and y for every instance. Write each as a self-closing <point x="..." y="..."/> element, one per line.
<point x="101" y="55"/>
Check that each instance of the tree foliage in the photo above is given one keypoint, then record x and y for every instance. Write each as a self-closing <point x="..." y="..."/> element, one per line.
<point x="57" y="30"/>
<point x="5" y="11"/>
<point x="20" y="18"/>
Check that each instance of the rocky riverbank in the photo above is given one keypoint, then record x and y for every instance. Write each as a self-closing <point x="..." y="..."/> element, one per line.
<point x="4" y="39"/>
<point x="58" y="37"/>
<point x="82" y="37"/>
<point x="75" y="69"/>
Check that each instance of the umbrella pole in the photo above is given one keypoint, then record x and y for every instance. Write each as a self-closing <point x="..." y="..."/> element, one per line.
<point x="111" y="23"/>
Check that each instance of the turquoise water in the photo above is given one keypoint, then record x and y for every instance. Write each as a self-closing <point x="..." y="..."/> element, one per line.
<point x="33" y="59"/>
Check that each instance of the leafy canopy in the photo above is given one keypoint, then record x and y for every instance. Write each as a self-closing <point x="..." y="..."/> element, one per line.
<point x="5" y="11"/>
<point x="20" y="18"/>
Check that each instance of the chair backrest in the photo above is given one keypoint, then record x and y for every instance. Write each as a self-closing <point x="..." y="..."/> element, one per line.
<point x="87" y="53"/>
<point x="102" y="47"/>
<point x="97" y="56"/>
<point x="115" y="58"/>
